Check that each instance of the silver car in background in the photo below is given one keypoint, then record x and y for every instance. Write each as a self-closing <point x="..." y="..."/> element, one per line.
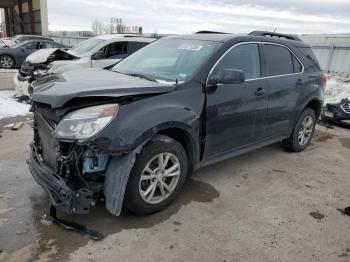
<point x="98" y="52"/>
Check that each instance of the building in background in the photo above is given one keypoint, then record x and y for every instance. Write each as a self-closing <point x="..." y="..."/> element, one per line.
<point x="25" y="16"/>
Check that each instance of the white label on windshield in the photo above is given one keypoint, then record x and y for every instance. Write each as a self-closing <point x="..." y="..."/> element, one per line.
<point x="194" y="47"/>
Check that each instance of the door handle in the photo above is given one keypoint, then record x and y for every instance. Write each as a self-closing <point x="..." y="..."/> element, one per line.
<point x="300" y="82"/>
<point x="260" y="91"/>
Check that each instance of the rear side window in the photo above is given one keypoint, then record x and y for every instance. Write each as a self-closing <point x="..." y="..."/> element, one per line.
<point x="297" y="67"/>
<point x="243" y="57"/>
<point x="280" y="61"/>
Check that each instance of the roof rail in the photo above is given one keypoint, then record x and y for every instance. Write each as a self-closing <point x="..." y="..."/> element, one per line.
<point x="209" y="32"/>
<point x="273" y="34"/>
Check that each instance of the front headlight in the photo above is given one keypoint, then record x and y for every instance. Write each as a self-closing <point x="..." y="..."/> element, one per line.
<point x="87" y="122"/>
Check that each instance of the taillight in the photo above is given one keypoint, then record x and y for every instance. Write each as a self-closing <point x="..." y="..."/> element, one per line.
<point x="324" y="80"/>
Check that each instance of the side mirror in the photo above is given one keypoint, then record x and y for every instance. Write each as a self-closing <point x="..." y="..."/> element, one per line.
<point x="23" y="49"/>
<point x="226" y="77"/>
<point x="98" y="55"/>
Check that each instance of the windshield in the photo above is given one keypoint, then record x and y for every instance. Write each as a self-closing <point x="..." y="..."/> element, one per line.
<point x="86" y="46"/>
<point x="168" y="59"/>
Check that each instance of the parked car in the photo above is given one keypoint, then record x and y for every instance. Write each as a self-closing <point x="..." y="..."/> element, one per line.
<point x="337" y="112"/>
<point x="132" y="135"/>
<point x="14" y="56"/>
<point x="99" y="52"/>
<point x="12" y="40"/>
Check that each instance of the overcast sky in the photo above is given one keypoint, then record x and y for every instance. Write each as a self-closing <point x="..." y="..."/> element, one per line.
<point x="182" y="16"/>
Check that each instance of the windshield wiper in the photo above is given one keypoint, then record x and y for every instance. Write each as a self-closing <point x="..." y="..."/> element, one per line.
<point x="142" y="76"/>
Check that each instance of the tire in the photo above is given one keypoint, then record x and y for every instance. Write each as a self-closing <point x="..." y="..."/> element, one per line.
<point x="295" y="142"/>
<point x="7" y="62"/>
<point x="138" y="198"/>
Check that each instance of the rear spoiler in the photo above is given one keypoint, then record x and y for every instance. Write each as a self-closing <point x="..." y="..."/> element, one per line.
<point x="273" y="34"/>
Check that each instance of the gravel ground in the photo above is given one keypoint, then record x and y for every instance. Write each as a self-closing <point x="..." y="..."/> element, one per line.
<point x="268" y="205"/>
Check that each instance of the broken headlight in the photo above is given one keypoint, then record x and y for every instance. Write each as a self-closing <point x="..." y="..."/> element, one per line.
<point x="87" y="122"/>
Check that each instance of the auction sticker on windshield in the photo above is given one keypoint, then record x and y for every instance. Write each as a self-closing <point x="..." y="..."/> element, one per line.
<point x="193" y="47"/>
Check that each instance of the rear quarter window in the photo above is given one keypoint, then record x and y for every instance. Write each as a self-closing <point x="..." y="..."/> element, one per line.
<point x="312" y="62"/>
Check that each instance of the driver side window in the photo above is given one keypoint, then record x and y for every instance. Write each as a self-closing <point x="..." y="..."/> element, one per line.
<point x="243" y="57"/>
<point x="32" y="46"/>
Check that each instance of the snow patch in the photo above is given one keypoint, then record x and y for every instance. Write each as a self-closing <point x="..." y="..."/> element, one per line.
<point x="10" y="107"/>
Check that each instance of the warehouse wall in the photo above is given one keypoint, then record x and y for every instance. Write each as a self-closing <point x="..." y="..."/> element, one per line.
<point x="332" y="51"/>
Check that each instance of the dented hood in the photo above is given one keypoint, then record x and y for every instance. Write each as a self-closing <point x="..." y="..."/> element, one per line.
<point x="57" y="90"/>
<point x="42" y="55"/>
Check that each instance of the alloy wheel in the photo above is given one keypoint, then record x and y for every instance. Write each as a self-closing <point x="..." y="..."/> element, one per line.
<point x="305" y="131"/>
<point x="6" y="62"/>
<point x="159" y="178"/>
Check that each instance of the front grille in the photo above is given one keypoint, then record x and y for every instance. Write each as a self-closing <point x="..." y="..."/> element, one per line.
<point x="47" y="145"/>
<point x="345" y="107"/>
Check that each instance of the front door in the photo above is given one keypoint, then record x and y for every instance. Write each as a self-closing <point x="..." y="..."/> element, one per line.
<point x="235" y="113"/>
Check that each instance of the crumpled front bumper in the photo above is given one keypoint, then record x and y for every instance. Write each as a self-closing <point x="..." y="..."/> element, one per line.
<point x="335" y="112"/>
<point x="62" y="196"/>
<point x="21" y="86"/>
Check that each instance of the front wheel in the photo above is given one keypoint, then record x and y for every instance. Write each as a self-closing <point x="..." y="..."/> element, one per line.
<point x="302" y="132"/>
<point x="157" y="176"/>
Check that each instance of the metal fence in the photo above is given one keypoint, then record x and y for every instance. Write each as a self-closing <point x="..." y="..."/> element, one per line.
<point x="69" y="40"/>
<point x="332" y="51"/>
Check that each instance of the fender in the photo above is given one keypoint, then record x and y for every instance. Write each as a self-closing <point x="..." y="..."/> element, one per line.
<point x="140" y="120"/>
<point x="315" y="93"/>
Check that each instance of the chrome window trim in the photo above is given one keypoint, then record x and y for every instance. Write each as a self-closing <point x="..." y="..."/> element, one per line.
<point x="256" y="42"/>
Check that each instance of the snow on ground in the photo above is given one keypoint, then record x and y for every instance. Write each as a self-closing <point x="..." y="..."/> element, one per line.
<point x="337" y="89"/>
<point x="10" y="107"/>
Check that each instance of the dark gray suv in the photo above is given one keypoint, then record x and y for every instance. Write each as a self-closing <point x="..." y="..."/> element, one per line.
<point x="131" y="135"/>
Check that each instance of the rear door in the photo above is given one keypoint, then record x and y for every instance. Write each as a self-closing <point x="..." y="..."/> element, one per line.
<point x="235" y="112"/>
<point x="285" y="80"/>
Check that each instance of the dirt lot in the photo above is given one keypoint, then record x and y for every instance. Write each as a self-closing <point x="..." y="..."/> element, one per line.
<point x="268" y="205"/>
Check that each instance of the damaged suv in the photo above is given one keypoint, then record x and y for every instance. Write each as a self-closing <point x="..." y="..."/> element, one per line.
<point x="98" y="52"/>
<point x="131" y="136"/>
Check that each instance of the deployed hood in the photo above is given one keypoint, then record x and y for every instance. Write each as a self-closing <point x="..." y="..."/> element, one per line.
<point x="59" y="89"/>
<point x="44" y="55"/>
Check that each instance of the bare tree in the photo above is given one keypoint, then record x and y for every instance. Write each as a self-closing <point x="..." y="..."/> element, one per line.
<point x="97" y="27"/>
<point x="109" y="28"/>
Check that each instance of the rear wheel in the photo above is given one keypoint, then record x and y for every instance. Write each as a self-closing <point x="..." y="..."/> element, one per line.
<point x="6" y="61"/>
<point x="157" y="176"/>
<point x="302" y="132"/>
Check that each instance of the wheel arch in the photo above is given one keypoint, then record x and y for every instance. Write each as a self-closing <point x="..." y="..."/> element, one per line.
<point x="316" y="105"/>
<point x="186" y="140"/>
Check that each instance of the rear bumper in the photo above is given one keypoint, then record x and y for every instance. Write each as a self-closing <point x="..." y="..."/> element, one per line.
<point x="62" y="196"/>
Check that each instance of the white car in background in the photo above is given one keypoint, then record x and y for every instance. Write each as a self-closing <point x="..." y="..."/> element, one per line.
<point x="98" y="52"/>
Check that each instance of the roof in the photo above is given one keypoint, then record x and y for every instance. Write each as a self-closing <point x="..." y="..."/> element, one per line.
<point x="129" y="38"/>
<point x="224" y="37"/>
<point x="35" y="40"/>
